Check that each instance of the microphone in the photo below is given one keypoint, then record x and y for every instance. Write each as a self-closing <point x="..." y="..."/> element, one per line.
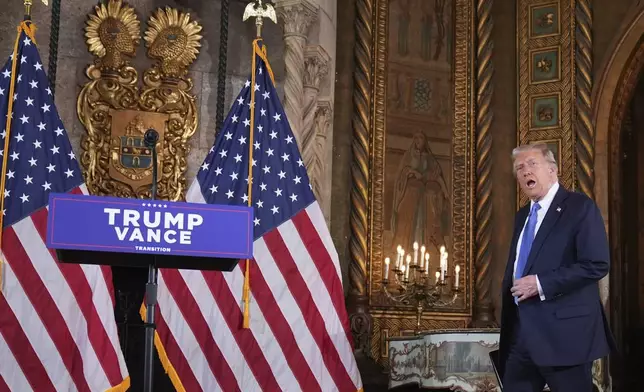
<point x="150" y="138"/>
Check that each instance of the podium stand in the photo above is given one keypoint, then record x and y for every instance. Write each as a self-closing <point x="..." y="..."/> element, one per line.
<point x="148" y="234"/>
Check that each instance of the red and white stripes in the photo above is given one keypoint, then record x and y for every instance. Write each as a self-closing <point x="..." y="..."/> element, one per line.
<point x="57" y="327"/>
<point x="299" y="338"/>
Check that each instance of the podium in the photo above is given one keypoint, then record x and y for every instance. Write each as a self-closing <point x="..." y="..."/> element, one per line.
<point x="148" y="234"/>
<point x="136" y="233"/>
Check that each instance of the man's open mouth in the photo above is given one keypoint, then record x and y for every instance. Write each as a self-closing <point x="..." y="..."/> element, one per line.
<point x="531" y="183"/>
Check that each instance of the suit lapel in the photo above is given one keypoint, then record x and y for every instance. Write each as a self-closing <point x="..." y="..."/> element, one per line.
<point x="549" y="221"/>
<point x="519" y="222"/>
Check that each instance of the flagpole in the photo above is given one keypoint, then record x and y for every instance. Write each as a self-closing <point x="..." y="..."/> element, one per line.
<point x="259" y="11"/>
<point x="28" y="4"/>
<point x="150" y="140"/>
<point x="7" y="138"/>
<point x="29" y="30"/>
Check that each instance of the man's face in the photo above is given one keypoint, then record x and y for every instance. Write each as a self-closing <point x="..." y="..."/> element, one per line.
<point x="534" y="174"/>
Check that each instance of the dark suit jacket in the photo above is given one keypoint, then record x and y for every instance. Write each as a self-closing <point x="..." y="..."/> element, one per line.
<point x="570" y="255"/>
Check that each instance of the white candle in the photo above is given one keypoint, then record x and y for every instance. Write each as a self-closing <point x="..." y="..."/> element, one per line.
<point x="422" y="257"/>
<point x="426" y="263"/>
<point x="441" y="263"/>
<point x="387" y="268"/>
<point x="446" y="263"/>
<point x="457" y="269"/>
<point x="438" y="274"/>
<point x="415" y="253"/>
<point x="402" y="271"/>
<point x="402" y="256"/>
<point x="443" y="267"/>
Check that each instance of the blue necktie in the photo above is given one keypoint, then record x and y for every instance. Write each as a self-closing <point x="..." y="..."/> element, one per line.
<point x="526" y="241"/>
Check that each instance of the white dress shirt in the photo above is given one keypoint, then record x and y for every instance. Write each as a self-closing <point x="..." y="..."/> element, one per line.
<point x="541" y="213"/>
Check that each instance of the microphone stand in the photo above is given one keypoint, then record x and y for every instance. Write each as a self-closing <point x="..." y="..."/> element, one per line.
<point x="150" y="140"/>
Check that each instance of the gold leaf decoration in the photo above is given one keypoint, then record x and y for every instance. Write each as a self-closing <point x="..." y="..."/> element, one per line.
<point x="111" y="32"/>
<point x="116" y="109"/>
<point x="173" y="40"/>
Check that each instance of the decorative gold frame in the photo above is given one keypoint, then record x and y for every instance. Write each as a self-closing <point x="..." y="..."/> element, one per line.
<point x="368" y="176"/>
<point x="544" y="50"/>
<point x="533" y="99"/>
<point x="544" y="5"/>
<point x="462" y="154"/>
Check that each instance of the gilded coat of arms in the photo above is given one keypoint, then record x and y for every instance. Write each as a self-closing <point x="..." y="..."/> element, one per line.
<point x="117" y="108"/>
<point x="130" y="159"/>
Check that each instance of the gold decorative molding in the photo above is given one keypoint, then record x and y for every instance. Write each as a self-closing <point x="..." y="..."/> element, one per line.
<point x="483" y="315"/>
<point x="361" y="150"/>
<point x="547" y="79"/>
<point x="462" y="188"/>
<point x="585" y="129"/>
<point x="367" y="193"/>
<point x="116" y="112"/>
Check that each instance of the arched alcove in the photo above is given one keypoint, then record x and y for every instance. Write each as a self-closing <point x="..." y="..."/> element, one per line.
<point x="614" y="94"/>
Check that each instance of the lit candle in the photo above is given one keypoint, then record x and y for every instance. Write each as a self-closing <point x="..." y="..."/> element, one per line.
<point x="422" y="257"/>
<point x="398" y="250"/>
<point x="438" y="274"/>
<point x="402" y="256"/>
<point x="402" y="271"/>
<point x="427" y="263"/>
<point x="446" y="255"/>
<point x="387" y="268"/>
<point x="441" y="261"/>
<point x="407" y="267"/>
<point x="415" y="253"/>
<point x="444" y="267"/>
<point x="457" y="269"/>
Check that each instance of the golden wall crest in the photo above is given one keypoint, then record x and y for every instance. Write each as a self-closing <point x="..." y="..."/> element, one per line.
<point x="117" y="108"/>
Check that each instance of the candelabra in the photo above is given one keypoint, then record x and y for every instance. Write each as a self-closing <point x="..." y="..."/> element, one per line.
<point x="412" y="284"/>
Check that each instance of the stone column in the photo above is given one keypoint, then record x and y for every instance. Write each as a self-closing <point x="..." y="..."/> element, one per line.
<point x="315" y="72"/>
<point x="295" y="17"/>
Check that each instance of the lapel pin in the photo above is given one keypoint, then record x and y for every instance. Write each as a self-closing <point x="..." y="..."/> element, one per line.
<point x="558" y="209"/>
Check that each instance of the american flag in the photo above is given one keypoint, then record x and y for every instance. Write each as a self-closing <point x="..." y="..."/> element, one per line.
<point x="299" y="337"/>
<point x="57" y="327"/>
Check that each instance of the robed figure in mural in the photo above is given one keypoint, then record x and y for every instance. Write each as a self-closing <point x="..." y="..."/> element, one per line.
<point x="421" y="206"/>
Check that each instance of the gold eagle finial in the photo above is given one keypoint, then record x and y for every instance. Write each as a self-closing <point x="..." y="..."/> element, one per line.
<point x="258" y="10"/>
<point x="29" y="3"/>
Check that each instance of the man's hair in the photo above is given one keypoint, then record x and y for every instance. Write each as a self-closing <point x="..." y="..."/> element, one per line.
<point x="541" y="147"/>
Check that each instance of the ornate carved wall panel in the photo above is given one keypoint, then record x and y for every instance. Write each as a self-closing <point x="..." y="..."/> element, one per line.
<point x="546" y="55"/>
<point x="116" y="110"/>
<point x="413" y="170"/>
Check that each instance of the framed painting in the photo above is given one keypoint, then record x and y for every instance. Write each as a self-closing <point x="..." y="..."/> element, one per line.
<point x="440" y="359"/>
<point x="418" y="164"/>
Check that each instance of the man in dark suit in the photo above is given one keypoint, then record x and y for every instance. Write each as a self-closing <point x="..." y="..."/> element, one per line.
<point x="552" y="321"/>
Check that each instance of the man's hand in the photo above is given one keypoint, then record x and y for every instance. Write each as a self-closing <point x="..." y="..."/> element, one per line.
<point x="525" y="288"/>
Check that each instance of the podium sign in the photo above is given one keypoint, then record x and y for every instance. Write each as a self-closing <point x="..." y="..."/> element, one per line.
<point x="147" y="227"/>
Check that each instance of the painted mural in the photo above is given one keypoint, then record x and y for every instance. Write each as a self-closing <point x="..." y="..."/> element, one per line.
<point x="419" y="125"/>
